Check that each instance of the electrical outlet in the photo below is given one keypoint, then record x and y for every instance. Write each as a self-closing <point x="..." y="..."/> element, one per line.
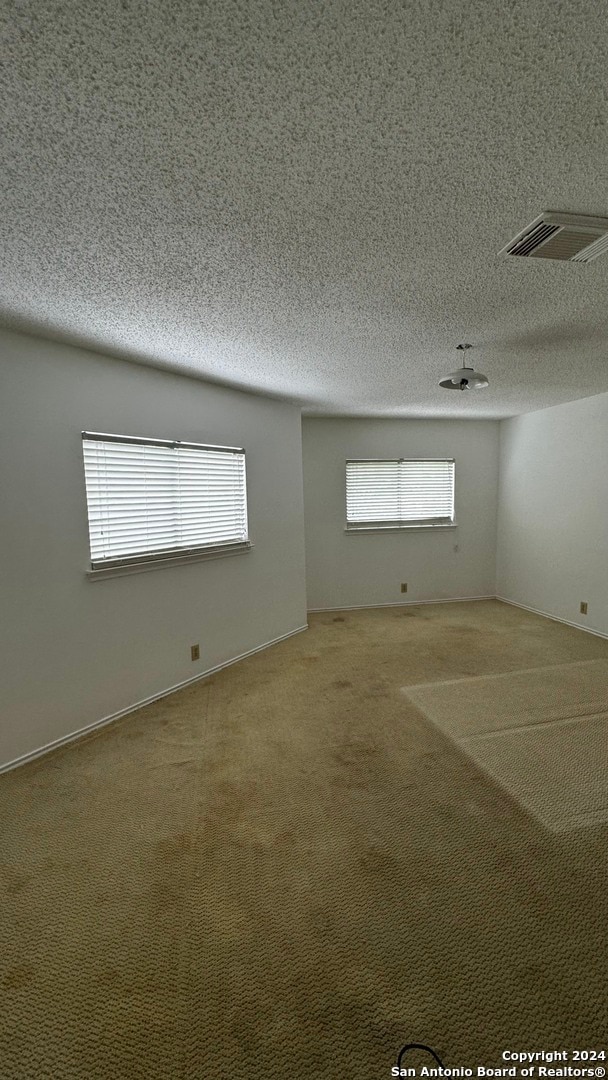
<point x="583" y="607"/>
<point x="404" y="586"/>
<point x="195" y="652"/>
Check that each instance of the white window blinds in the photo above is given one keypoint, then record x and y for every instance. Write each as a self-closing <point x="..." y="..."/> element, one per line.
<point x="151" y="499"/>
<point x="389" y="494"/>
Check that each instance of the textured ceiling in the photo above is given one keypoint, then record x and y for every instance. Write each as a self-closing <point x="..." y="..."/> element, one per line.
<point x="307" y="199"/>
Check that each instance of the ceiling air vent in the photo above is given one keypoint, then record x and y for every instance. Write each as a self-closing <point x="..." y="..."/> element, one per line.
<point x="569" y="237"/>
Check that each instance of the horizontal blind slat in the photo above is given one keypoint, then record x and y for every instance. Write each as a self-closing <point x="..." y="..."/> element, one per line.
<point x="399" y="491"/>
<point x="144" y="497"/>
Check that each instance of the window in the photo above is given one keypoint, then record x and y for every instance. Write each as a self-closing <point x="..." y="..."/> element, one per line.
<point x="153" y="499"/>
<point x="399" y="494"/>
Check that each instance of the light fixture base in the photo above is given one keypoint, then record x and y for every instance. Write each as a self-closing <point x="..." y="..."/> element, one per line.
<point x="466" y="378"/>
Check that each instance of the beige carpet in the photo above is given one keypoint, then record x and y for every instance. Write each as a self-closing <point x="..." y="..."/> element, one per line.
<point x="541" y="734"/>
<point x="287" y="870"/>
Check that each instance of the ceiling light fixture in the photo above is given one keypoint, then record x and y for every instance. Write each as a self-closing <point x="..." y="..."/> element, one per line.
<point x="466" y="378"/>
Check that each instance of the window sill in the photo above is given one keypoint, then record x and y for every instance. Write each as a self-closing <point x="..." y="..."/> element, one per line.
<point x="159" y="563"/>
<point x="395" y="528"/>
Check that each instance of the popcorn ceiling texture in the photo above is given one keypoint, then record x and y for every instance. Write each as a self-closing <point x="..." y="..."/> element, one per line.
<point x="308" y="199"/>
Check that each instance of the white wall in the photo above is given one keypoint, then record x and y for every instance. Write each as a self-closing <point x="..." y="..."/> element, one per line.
<point x="553" y="511"/>
<point x="347" y="569"/>
<point x="71" y="650"/>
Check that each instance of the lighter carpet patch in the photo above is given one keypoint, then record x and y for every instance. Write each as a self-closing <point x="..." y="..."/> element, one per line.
<point x="542" y="734"/>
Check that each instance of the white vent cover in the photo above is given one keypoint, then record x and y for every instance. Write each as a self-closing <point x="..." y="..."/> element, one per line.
<point x="569" y="237"/>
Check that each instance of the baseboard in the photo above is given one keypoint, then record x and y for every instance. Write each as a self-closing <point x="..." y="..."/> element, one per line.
<point x="554" y="618"/>
<point x="402" y="603"/>
<point x="33" y="754"/>
<point x="48" y="747"/>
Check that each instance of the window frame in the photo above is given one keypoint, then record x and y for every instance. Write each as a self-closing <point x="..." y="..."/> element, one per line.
<point x="160" y="557"/>
<point x="399" y="525"/>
